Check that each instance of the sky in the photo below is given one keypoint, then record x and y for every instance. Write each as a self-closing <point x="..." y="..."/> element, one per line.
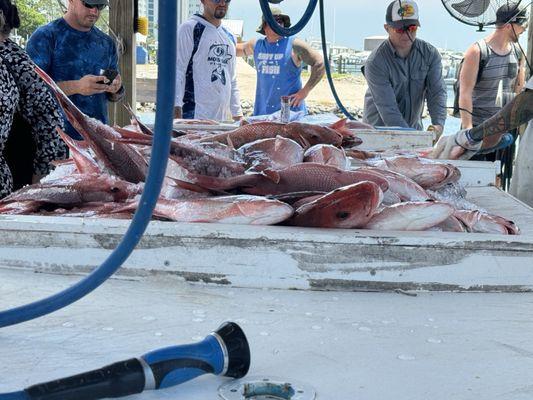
<point x="348" y="22"/>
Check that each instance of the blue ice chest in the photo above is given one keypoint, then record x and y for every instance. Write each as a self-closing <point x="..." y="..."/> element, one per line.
<point x="142" y="55"/>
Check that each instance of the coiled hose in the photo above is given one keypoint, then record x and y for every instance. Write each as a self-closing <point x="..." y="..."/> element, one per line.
<point x="156" y="173"/>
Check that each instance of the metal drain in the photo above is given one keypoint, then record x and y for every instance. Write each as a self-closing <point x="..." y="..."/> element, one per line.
<point x="266" y="388"/>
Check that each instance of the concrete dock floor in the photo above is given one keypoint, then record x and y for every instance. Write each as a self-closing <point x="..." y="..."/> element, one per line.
<point x="346" y="345"/>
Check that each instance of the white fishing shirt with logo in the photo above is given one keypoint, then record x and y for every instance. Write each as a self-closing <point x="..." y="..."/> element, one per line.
<point x="206" y="79"/>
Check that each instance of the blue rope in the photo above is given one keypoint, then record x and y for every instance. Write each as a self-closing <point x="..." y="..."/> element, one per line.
<point x="156" y="173"/>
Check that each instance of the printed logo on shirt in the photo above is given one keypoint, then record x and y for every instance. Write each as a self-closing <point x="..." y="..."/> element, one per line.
<point x="219" y="57"/>
<point x="268" y="63"/>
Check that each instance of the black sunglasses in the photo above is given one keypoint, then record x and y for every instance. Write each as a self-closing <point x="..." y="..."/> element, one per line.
<point x="282" y="20"/>
<point x="99" y="7"/>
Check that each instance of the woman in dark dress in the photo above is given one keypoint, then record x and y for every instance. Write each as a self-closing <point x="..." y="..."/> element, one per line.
<point x="25" y="99"/>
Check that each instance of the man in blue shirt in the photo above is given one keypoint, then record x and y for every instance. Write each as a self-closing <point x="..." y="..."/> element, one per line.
<point x="278" y="62"/>
<point x="74" y="53"/>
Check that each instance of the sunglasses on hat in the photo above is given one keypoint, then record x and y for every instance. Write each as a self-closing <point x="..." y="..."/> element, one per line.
<point x="409" y="28"/>
<point x="220" y="1"/>
<point x="99" y="7"/>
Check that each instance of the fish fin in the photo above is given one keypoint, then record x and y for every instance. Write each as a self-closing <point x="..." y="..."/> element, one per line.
<point x="230" y="143"/>
<point x="271" y="174"/>
<point x="57" y="163"/>
<point x="341" y="123"/>
<point x="193" y="187"/>
<point x="128" y="134"/>
<point x="305" y="143"/>
<point x="144" y="128"/>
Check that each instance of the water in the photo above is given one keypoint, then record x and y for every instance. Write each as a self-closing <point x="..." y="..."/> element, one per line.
<point x="452" y="124"/>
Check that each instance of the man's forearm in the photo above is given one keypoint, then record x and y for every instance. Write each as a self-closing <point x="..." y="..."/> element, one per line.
<point x="465" y="103"/>
<point x="312" y="58"/>
<point x="69" y="87"/>
<point x="317" y="72"/>
<point x="514" y="114"/>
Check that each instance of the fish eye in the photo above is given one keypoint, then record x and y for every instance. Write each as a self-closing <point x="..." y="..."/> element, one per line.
<point x="343" y="214"/>
<point x="114" y="189"/>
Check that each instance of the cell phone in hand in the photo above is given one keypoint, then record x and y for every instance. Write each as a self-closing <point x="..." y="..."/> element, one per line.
<point x="110" y="74"/>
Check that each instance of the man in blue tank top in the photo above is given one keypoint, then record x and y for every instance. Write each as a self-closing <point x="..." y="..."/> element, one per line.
<point x="278" y="62"/>
<point x="74" y="52"/>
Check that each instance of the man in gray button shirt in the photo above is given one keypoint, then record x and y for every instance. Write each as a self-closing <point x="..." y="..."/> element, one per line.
<point x="402" y="73"/>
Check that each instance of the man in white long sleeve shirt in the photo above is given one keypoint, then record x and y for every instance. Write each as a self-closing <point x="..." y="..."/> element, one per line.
<point x="206" y="79"/>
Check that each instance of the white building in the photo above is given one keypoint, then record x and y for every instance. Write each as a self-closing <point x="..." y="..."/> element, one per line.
<point x="152" y="7"/>
<point x="195" y="7"/>
<point x="373" y="42"/>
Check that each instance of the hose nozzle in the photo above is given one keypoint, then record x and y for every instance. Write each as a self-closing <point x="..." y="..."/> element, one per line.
<point x="223" y="352"/>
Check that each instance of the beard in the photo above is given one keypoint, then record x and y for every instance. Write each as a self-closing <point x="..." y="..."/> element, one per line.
<point x="220" y="13"/>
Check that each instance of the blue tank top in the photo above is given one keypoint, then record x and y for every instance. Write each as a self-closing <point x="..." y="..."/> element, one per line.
<point x="277" y="75"/>
<point x="67" y="54"/>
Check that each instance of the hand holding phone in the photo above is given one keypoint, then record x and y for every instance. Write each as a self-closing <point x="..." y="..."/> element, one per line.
<point x="110" y="75"/>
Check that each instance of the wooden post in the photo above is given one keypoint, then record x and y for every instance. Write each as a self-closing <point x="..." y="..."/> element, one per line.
<point x="121" y="23"/>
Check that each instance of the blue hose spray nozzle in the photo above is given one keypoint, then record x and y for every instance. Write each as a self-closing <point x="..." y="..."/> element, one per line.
<point x="223" y="352"/>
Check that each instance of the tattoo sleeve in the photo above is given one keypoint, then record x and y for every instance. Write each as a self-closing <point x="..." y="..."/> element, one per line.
<point x="312" y="58"/>
<point x="518" y="112"/>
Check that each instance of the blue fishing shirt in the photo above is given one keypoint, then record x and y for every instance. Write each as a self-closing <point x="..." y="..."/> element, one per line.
<point x="67" y="54"/>
<point x="277" y="75"/>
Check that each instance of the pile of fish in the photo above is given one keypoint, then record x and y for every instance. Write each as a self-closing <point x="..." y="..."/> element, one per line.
<point x="260" y="173"/>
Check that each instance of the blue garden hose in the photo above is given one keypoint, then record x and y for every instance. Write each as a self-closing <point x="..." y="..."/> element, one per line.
<point x="224" y="352"/>
<point x="156" y="173"/>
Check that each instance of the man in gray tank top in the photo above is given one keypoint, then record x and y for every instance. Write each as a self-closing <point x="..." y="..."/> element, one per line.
<point x="502" y="74"/>
<point x="491" y="75"/>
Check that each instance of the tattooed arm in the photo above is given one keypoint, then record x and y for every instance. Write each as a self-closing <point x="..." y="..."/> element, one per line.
<point x="304" y="53"/>
<point x="467" y="142"/>
<point x="516" y="113"/>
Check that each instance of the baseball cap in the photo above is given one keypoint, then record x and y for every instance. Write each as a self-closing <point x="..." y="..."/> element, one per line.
<point x="275" y="12"/>
<point x="511" y="13"/>
<point x="402" y="13"/>
<point x="96" y="2"/>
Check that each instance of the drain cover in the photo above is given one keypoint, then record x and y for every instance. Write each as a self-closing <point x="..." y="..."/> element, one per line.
<point x="263" y="388"/>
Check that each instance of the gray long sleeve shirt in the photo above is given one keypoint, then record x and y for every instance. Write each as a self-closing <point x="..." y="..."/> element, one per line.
<point x="398" y="87"/>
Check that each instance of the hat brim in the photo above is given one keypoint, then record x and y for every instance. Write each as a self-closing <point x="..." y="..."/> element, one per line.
<point x="403" y="23"/>
<point x="261" y="28"/>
